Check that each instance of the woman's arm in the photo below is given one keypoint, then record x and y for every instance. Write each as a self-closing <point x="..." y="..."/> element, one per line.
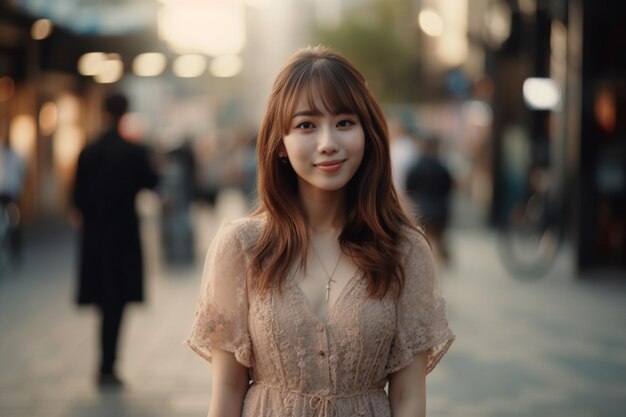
<point x="407" y="389"/>
<point x="230" y="383"/>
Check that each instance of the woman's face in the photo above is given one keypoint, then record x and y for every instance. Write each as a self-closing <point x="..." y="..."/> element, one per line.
<point x="324" y="149"/>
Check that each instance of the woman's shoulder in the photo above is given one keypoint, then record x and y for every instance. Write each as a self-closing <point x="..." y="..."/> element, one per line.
<point x="413" y="240"/>
<point x="246" y="230"/>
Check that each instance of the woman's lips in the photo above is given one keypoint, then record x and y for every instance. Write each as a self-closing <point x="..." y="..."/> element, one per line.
<point x="330" y="166"/>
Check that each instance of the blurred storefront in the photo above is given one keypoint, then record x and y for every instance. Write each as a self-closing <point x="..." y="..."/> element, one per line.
<point x="183" y="64"/>
<point x="602" y="181"/>
<point x="578" y="140"/>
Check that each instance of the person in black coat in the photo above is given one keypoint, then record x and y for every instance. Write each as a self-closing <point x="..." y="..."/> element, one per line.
<point x="110" y="173"/>
<point x="429" y="185"/>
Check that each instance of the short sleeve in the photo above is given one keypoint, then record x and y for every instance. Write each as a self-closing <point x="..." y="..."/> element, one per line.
<point x="421" y="323"/>
<point x="221" y="320"/>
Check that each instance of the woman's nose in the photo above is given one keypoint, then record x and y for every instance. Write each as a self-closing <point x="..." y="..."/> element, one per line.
<point x="327" y="141"/>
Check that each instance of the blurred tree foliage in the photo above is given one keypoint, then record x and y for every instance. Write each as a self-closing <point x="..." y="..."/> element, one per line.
<point x="380" y="38"/>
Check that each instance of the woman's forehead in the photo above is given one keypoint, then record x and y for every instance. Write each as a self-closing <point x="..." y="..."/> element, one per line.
<point x="317" y="99"/>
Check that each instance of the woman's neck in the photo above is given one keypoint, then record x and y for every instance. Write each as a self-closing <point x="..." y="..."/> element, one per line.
<point x="325" y="210"/>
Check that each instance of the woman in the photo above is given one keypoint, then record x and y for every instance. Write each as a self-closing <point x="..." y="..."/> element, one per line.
<point x="328" y="292"/>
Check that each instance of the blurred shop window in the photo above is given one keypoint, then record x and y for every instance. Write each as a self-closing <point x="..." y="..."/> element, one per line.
<point x="67" y="141"/>
<point x="610" y="172"/>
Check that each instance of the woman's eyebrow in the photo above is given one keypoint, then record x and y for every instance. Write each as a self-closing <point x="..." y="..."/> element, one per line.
<point x="319" y="113"/>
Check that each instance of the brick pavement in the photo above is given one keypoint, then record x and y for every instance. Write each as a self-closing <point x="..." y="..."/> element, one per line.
<point x="555" y="347"/>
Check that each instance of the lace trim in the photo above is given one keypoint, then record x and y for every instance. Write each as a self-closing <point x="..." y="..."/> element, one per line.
<point x="436" y="352"/>
<point x="243" y="353"/>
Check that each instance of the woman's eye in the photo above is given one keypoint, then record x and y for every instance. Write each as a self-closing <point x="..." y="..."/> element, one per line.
<point x="345" y="123"/>
<point x="305" y="125"/>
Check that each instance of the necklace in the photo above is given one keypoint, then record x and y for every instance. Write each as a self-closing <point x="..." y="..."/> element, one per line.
<point x="330" y="277"/>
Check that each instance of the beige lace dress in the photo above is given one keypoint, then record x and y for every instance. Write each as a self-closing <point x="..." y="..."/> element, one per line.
<point x="301" y="366"/>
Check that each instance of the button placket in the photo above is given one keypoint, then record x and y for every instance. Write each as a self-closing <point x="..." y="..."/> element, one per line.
<point x="322" y="351"/>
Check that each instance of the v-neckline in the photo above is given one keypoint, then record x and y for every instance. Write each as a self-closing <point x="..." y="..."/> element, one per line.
<point x="332" y="308"/>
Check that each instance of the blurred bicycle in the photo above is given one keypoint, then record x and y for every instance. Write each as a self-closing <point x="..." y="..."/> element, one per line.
<point x="532" y="233"/>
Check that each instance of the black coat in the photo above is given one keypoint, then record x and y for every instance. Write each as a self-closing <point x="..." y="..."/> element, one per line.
<point x="110" y="173"/>
<point x="429" y="184"/>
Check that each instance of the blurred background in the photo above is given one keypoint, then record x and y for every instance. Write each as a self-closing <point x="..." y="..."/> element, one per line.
<point x="520" y="102"/>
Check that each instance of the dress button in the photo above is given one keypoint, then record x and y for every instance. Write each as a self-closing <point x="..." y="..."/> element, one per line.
<point x="320" y="327"/>
<point x="321" y="353"/>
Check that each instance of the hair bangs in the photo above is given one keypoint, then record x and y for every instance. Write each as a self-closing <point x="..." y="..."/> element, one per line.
<point x="336" y="88"/>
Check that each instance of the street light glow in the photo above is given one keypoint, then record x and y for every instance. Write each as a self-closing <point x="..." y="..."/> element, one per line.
<point x="89" y="63"/>
<point x="214" y="28"/>
<point x="149" y="64"/>
<point x="431" y="23"/>
<point x="541" y="93"/>
<point x="189" y="66"/>
<point x="110" y="70"/>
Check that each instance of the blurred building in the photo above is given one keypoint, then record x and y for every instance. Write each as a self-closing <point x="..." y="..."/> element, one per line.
<point x="193" y="68"/>
<point x="190" y="68"/>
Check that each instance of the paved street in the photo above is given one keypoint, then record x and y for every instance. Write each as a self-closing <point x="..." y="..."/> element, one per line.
<point x="555" y="347"/>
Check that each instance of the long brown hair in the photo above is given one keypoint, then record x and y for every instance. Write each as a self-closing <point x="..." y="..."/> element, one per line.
<point x="375" y="218"/>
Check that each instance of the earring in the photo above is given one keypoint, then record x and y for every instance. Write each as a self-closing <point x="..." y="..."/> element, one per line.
<point x="283" y="158"/>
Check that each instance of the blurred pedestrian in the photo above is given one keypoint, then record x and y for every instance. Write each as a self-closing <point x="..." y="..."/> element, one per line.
<point x="110" y="173"/>
<point x="12" y="176"/>
<point x="429" y="185"/>
<point x="403" y="152"/>
<point x="328" y="291"/>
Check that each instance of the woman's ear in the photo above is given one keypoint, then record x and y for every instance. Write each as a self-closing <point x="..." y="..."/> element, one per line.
<point x="282" y="151"/>
<point x="282" y="154"/>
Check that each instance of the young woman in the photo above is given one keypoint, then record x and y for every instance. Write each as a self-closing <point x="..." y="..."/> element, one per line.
<point x="310" y="306"/>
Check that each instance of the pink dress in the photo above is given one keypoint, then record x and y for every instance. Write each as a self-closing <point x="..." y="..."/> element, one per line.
<point x="301" y="366"/>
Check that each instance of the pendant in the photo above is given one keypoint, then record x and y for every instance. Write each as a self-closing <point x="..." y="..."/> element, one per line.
<point x="327" y="291"/>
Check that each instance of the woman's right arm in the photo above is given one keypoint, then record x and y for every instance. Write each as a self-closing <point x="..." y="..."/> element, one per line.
<point x="230" y="383"/>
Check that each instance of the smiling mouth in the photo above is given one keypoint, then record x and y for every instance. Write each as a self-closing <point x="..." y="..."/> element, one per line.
<point x="330" y="166"/>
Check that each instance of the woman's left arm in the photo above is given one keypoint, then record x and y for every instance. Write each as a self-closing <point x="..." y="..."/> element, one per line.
<point x="407" y="388"/>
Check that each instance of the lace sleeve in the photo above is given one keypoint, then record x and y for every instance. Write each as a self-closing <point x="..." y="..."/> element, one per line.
<point x="221" y="320"/>
<point x="421" y="319"/>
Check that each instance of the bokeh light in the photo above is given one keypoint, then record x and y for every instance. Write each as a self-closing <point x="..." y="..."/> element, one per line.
<point x="497" y="20"/>
<point x="41" y="29"/>
<point x="541" y="93"/>
<point x="48" y="118"/>
<point x="430" y="22"/>
<point x="89" y="63"/>
<point x="211" y="27"/>
<point x="149" y="64"/>
<point x="189" y="66"/>
<point x="23" y="132"/>
<point x="68" y="107"/>
<point x="226" y="66"/>
<point x="110" y="70"/>
<point x="67" y="143"/>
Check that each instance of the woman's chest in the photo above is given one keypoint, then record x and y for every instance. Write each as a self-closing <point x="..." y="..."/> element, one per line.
<point x="287" y="319"/>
